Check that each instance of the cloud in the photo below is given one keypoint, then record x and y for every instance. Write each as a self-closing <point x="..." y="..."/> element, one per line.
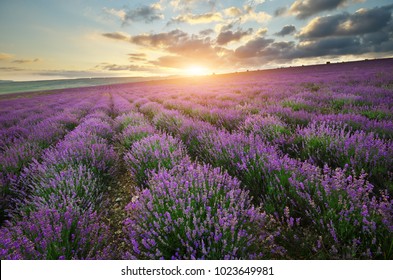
<point x="188" y="5"/>
<point x="251" y="15"/>
<point x="224" y="27"/>
<point x="136" y="57"/>
<point x="366" y="31"/>
<point x="11" y="69"/>
<point x="197" y="19"/>
<point x="280" y="11"/>
<point x="143" y="13"/>
<point x="253" y="48"/>
<point x="70" y="73"/>
<point x="261" y="31"/>
<point x="206" y="32"/>
<point x="121" y="14"/>
<point x="22" y="61"/>
<point x="117" y="67"/>
<point x="233" y="12"/>
<point x="306" y="8"/>
<point x="255" y="2"/>
<point x="361" y="22"/>
<point x="228" y="36"/>
<point x="181" y="47"/>
<point x="5" y="56"/>
<point x="117" y="36"/>
<point x="328" y="47"/>
<point x="241" y="15"/>
<point x="159" y="40"/>
<point x="178" y="44"/>
<point x="286" y="30"/>
<point x="173" y="61"/>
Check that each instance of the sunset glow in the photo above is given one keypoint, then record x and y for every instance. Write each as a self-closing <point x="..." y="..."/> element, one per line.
<point x="197" y="71"/>
<point x="80" y="39"/>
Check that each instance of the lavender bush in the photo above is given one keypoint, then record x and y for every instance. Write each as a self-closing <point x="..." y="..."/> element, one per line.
<point x="333" y="144"/>
<point x="339" y="211"/>
<point x="48" y="187"/>
<point x="86" y="149"/>
<point x="132" y="134"/>
<point x="51" y="234"/>
<point x="129" y="119"/>
<point x="196" y="212"/>
<point x="152" y="153"/>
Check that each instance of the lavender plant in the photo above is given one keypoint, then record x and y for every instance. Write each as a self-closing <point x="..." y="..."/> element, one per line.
<point x="326" y="143"/>
<point x="247" y="157"/>
<point x="339" y="213"/>
<point x="45" y="186"/>
<point x="196" y="212"/>
<point x="132" y="134"/>
<point x="129" y="119"/>
<point x="86" y="149"/>
<point x="52" y="234"/>
<point x="152" y="153"/>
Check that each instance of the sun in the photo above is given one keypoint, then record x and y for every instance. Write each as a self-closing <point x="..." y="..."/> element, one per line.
<point x="196" y="70"/>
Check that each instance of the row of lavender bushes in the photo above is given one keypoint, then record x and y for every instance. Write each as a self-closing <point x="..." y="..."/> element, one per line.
<point x="28" y="138"/>
<point x="59" y="207"/>
<point x="322" y="212"/>
<point x="186" y="210"/>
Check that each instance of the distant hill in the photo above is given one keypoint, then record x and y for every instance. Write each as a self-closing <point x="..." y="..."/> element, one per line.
<point x="30" y="86"/>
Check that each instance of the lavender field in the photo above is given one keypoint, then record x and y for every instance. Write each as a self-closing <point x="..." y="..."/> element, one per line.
<point x="292" y="163"/>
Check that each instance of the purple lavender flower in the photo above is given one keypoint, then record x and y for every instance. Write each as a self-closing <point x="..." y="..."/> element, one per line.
<point x="52" y="234"/>
<point x="132" y="134"/>
<point x="196" y="212"/>
<point x="130" y="119"/>
<point x="151" y="153"/>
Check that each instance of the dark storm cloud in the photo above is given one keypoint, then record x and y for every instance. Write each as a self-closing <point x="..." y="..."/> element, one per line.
<point x="305" y="8"/>
<point x="361" y="22"/>
<point x="226" y="37"/>
<point x="286" y="30"/>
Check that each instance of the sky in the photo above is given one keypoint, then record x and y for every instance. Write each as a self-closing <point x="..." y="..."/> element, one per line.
<point x="53" y="39"/>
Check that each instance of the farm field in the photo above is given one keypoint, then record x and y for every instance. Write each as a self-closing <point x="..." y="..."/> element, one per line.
<point x="293" y="163"/>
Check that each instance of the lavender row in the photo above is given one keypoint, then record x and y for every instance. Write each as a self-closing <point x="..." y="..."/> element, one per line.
<point x="184" y="210"/>
<point x="24" y="147"/>
<point x="288" y="189"/>
<point x="59" y="208"/>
